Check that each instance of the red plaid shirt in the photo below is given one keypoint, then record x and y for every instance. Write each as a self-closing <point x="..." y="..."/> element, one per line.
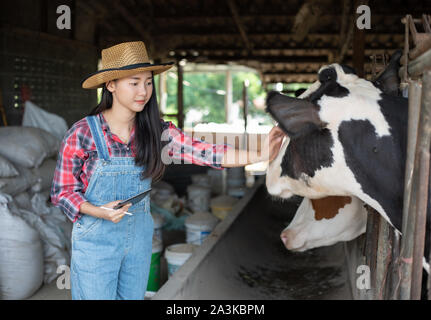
<point x="77" y="159"/>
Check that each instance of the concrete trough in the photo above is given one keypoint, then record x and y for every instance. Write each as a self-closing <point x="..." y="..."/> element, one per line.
<point x="244" y="258"/>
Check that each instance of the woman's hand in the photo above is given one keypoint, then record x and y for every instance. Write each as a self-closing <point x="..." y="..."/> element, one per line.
<point x="273" y="142"/>
<point x="114" y="215"/>
<point x="269" y="150"/>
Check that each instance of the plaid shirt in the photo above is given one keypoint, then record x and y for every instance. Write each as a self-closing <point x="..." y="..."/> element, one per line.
<point x="78" y="154"/>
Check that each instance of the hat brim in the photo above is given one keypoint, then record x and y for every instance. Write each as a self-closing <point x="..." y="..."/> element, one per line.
<point x="97" y="79"/>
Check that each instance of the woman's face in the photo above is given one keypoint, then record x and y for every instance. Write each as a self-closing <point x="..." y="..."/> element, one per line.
<point x="132" y="92"/>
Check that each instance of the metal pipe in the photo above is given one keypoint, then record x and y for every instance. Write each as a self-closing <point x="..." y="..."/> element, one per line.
<point x="406" y="249"/>
<point x="415" y="92"/>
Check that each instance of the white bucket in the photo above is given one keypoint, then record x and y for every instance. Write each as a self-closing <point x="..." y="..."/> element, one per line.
<point x="201" y="179"/>
<point x="235" y="177"/>
<point x="199" y="226"/>
<point x="222" y="205"/>
<point x="216" y="180"/>
<point x="158" y="225"/>
<point x="198" y="198"/>
<point x="176" y="255"/>
<point x="237" y="192"/>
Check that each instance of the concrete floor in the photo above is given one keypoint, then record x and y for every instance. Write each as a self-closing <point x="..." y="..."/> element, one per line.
<point x="250" y="262"/>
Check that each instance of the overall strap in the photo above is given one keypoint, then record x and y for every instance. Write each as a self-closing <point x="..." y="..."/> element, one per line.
<point x="99" y="139"/>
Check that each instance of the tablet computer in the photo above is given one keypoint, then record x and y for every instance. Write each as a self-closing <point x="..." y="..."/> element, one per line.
<point x="133" y="200"/>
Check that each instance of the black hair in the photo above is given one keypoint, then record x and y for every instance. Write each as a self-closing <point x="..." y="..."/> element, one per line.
<point x="148" y="130"/>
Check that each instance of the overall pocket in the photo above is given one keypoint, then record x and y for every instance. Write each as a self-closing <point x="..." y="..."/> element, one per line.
<point x="85" y="226"/>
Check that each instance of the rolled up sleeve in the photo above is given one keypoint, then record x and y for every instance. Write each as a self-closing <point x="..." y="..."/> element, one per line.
<point x="67" y="187"/>
<point x="191" y="151"/>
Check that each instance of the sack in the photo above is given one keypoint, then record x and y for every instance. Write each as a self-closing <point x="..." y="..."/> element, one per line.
<point x="22" y="182"/>
<point x="45" y="175"/>
<point x="21" y="255"/>
<point x="56" y="232"/>
<point x="39" y="118"/>
<point x="23" y="200"/>
<point x="27" y="146"/>
<point x="7" y="169"/>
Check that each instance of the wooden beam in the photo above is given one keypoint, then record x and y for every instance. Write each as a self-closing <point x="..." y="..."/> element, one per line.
<point x="239" y="24"/>
<point x="359" y="43"/>
<point x="136" y="24"/>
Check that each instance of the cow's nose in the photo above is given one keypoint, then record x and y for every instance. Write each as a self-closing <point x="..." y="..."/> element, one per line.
<point x="291" y="239"/>
<point x="286" y="236"/>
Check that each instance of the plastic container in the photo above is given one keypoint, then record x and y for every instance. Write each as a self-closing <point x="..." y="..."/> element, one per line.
<point x="237" y="192"/>
<point x="199" y="226"/>
<point x="158" y="225"/>
<point x="154" y="277"/>
<point x="201" y="180"/>
<point x="236" y="177"/>
<point x="216" y="180"/>
<point x="177" y="254"/>
<point x="198" y="198"/>
<point x="222" y="205"/>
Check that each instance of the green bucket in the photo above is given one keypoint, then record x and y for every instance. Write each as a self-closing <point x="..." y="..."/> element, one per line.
<point x="154" y="277"/>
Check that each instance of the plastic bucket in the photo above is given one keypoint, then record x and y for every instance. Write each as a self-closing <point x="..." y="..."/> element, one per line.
<point x="158" y="225"/>
<point x="201" y="180"/>
<point x="176" y="255"/>
<point x="199" y="226"/>
<point x="154" y="277"/>
<point x="222" y="205"/>
<point x="235" y="177"/>
<point x="198" y="197"/>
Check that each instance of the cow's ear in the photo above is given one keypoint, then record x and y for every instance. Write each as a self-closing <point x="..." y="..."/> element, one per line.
<point x="388" y="81"/>
<point x="297" y="117"/>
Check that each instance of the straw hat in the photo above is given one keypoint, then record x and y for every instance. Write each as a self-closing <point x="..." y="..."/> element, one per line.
<point x="122" y="60"/>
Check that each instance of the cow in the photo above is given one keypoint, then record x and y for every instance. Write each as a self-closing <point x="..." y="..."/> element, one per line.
<point x="345" y="137"/>
<point x="324" y="222"/>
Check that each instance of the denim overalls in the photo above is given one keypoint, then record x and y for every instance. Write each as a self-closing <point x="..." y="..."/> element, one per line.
<point x="112" y="260"/>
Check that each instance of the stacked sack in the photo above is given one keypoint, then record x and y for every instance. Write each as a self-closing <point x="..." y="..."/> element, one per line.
<point x="32" y="230"/>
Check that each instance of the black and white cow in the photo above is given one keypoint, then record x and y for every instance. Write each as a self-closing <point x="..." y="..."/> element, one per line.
<point x="324" y="222"/>
<point x="345" y="137"/>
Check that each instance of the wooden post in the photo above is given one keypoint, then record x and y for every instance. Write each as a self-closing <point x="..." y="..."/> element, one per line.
<point x="419" y="195"/>
<point x="162" y="92"/>
<point x="180" y="99"/>
<point x="415" y="90"/>
<point x="358" y="43"/>
<point x="228" y="97"/>
<point x="245" y="103"/>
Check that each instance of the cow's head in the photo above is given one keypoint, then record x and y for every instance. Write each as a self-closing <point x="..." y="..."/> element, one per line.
<point x="346" y="137"/>
<point x="324" y="222"/>
<point x="311" y="122"/>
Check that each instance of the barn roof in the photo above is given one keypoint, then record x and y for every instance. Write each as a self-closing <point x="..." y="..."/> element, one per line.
<point x="285" y="40"/>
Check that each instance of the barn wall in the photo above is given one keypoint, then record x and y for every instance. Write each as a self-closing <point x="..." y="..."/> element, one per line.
<point x="34" y="53"/>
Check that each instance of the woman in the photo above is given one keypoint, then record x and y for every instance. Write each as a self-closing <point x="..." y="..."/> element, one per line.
<point x="111" y="155"/>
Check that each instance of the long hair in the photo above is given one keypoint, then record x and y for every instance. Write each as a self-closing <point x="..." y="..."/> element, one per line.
<point x="148" y="130"/>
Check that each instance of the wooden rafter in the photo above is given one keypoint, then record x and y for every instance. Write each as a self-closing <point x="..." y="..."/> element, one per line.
<point x="239" y="24"/>
<point x="136" y="24"/>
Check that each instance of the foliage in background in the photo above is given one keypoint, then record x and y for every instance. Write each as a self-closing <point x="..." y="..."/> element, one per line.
<point x="206" y="92"/>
